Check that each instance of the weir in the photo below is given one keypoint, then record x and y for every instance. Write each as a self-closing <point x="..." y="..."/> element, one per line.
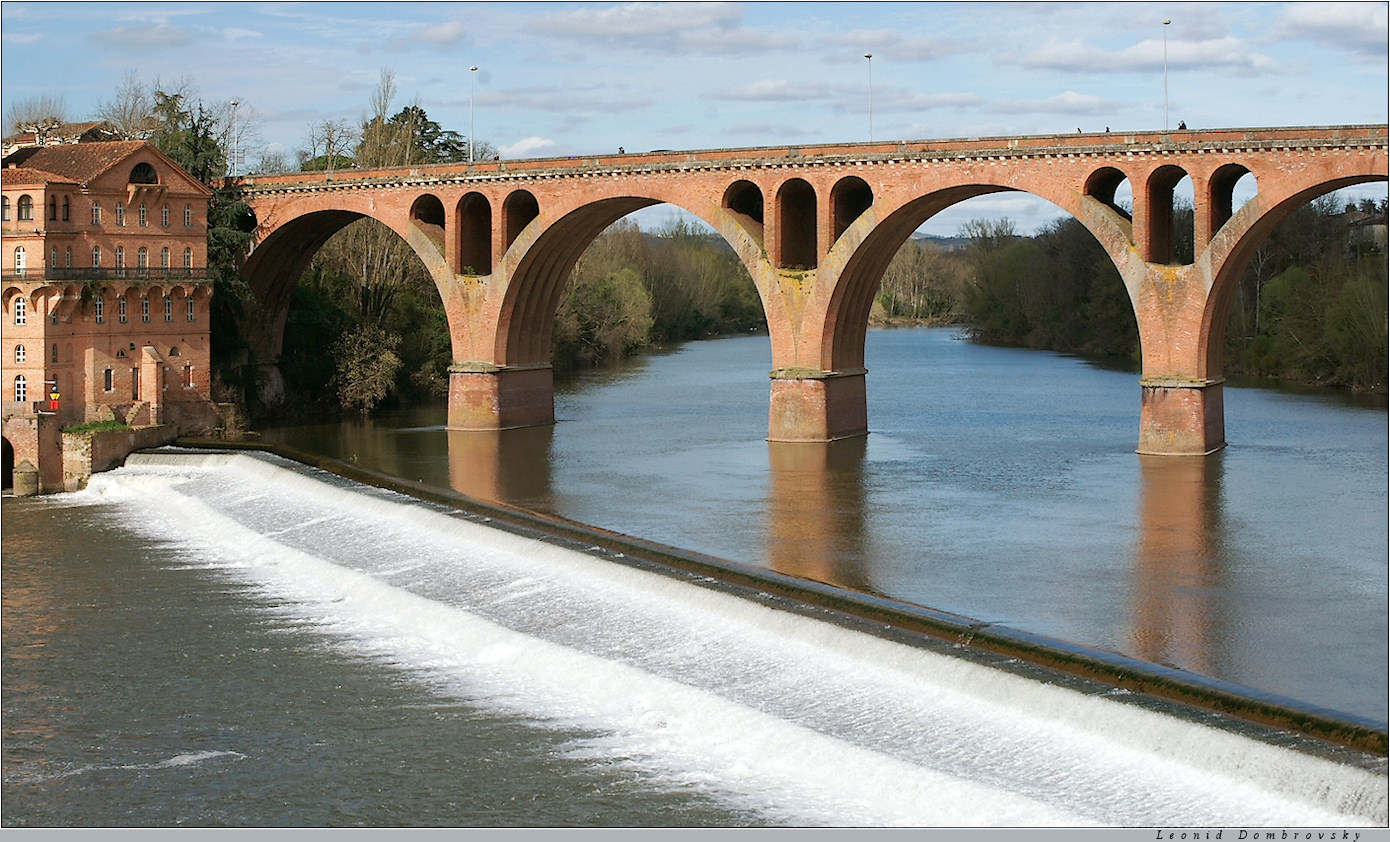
<point x="786" y="708"/>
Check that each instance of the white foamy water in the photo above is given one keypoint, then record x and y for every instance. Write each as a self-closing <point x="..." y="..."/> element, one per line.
<point x="800" y="720"/>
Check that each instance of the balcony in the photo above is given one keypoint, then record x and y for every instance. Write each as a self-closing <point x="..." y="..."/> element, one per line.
<point x="89" y="274"/>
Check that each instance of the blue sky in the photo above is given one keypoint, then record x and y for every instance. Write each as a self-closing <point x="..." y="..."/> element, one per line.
<point x="581" y="78"/>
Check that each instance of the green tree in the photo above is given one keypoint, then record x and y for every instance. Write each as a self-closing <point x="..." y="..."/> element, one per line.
<point x="366" y="365"/>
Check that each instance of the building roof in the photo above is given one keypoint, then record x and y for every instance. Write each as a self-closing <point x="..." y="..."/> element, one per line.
<point x="12" y="176"/>
<point x="79" y="162"/>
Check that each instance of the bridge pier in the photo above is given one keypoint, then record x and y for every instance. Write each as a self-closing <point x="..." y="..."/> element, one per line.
<point x="483" y="396"/>
<point x="1181" y="417"/>
<point x="817" y="406"/>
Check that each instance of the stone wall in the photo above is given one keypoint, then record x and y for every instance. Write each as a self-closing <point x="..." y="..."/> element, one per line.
<point x="85" y="454"/>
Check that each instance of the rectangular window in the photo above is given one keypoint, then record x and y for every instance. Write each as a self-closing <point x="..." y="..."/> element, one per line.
<point x="144" y="308"/>
<point x="100" y="309"/>
<point x="188" y="377"/>
<point x="21" y="311"/>
<point x="164" y="216"/>
<point x="120" y="213"/>
<point x="21" y="388"/>
<point x="120" y="307"/>
<point x="168" y="309"/>
<point x="135" y="384"/>
<point x="192" y="312"/>
<point x="188" y="216"/>
<point x="96" y="256"/>
<point x="108" y="380"/>
<point x="55" y="353"/>
<point x="96" y="213"/>
<point x="144" y="217"/>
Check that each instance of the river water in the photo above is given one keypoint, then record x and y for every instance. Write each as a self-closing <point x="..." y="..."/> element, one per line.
<point x="215" y="639"/>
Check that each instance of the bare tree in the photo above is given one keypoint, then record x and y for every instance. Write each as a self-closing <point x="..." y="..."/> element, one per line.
<point x="36" y="114"/>
<point x="328" y="142"/>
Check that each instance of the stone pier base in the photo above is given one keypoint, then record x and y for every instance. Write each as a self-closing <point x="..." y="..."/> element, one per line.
<point x="817" y="406"/>
<point x="483" y="397"/>
<point x="1181" y="418"/>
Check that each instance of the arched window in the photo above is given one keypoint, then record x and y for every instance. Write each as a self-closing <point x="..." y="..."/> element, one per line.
<point x="144" y="308"/>
<point x="21" y="388"/>
<point x="144" y="217"/>
<point x="120" y="310"/>
<point x="188" y="258"/>
<point x="143" y="173"/>
<point x="5" y="208"/>
<point x="120" y="213"/>
<point x="21" y="310"/>
<point x="99" y="309"/>
<point x="142" y="258"/>
<point x="52" y="208"/>
<point x="164" y="216"/>
<point x="188" y="216"/>
<point x="20" y="260"/>
<point x="26" y="208"/>
<point x="67" y="209"/>
<point x="168" y="309"/>
<point x="20" y="354"/>
<point x="164" y="258"/>
<point x="96" y="213"/>
<point x="53" y="256"/>
<point x="96" y="256"/>
<point x="120" y="258"/>
<point x="53" y="354"/>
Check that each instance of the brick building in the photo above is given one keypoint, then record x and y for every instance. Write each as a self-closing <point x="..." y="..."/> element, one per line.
<point x="105" y="297"/>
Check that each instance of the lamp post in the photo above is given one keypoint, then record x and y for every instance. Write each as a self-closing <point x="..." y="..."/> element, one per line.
<point x="472" y="74"/>
<point x="1165" y="74"/>
<point x="870" y="57"/>
<point x="232" y="142"/>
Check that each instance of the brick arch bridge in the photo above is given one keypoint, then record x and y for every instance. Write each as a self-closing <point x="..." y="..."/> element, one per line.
<point x="816" y="227"/>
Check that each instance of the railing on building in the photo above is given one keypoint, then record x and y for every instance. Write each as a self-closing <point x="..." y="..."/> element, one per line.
<point x="152" y="273"/>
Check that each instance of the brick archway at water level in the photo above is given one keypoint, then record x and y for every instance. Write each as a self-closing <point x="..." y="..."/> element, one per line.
<point x="816" y="227"/>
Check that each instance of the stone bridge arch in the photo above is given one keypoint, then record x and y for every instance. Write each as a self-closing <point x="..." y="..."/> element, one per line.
<point x="816" y="228"/>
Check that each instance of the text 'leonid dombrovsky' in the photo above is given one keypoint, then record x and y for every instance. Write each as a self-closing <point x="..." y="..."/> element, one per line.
<point x="1263" y="835"/>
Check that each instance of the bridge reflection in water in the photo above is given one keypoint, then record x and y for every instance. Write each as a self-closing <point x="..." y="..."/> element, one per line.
<point x="816" y="512"/>
<point x="1175" y="572"/>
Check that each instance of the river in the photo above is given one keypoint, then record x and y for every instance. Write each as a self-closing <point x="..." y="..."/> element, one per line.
<point x="233" y="640"/>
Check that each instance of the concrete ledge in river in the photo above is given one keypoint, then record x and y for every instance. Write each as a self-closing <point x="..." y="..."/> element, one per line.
<point x="1171" y="690"/>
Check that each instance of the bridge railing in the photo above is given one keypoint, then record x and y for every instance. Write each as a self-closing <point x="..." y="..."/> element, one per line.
<point x="1193" y="138"/>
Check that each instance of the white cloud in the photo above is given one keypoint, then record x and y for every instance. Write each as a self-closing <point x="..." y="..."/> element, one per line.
<point x="776" y="90"/>
<point x="1357" y="26"/>
<point x="1067" y="102"/>
<point x="233" y="33"/>
<point x="639" y="20"/>
<point x="443" y="35"/>
<point x="143" y="37"/>
<point x="525" y="147"/>
<point x="1226" y="53"/>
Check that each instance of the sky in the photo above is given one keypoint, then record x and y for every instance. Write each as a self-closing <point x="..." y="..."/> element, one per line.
<point x="588" y="78"/>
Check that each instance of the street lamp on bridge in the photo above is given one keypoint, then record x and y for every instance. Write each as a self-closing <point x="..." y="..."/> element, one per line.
<point x="1165" y="74"/>
<point x="472" y="74"/>
<point x="870" y="57"/>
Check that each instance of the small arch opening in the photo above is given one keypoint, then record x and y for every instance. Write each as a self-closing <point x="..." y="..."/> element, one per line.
<point x="796" y="226"/>
<point x="428" y="210"/>
<point x="475" y="235"/>
<point x="850" y="198"/>
<point x="745" y="198"/>
<point x="1231" y="186"/>
<point x="1110" y="187"/>
<point x="517" y="212"/>
<point x="1169" y="206"/>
